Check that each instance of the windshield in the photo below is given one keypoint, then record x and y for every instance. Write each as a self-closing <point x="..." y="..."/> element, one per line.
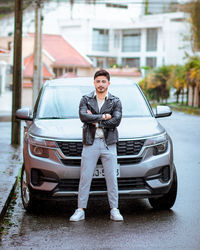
<point x="63" y="101"/>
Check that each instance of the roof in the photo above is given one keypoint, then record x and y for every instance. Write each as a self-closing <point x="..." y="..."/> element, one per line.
<point x="3" y="51"/>
<point x="28" y="68"/>
<point x="62" y="52"/>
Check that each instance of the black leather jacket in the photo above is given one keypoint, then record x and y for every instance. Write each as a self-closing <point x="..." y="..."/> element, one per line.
<point x="112" y="106"/>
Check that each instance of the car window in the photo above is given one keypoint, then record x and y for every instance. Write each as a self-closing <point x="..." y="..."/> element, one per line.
<point x="59" y="102"/>
<point x="133" y="103"/>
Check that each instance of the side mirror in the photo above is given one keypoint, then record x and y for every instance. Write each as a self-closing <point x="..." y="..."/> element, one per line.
<point x="163" y="111"/>
<point x="24" y="114"/>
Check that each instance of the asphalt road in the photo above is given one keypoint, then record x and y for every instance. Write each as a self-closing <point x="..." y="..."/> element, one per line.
<point x="143" y="228"/>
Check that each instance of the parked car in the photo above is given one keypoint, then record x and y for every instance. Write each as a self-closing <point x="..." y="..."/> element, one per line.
<point x="53" y="144"/>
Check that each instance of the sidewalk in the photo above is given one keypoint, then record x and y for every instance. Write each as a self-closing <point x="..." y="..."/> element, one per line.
<point x="5" y="106"/>
<point x="10" y="157"/>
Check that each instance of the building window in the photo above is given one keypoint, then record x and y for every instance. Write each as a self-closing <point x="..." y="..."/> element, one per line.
<point x="164" y="6"/>
<point x="131" y="40"/>
<point x="152" y="37"/>
<point x="151" y="62"/>
<point x="100" y="62"/>
<point x="111" y="61"/>
<point x="61" y="71"/>
<point x="131" y="62"/>
<point x="100" y="40"/>
<point x="58" y="71"/>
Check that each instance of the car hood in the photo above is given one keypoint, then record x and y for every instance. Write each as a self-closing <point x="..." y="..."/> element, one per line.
<point x="68" y="129"/>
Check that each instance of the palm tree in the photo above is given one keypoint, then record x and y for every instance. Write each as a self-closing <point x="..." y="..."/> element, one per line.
<point x="193" y="75"/>
<point x="161" y="76"/>
<point x="177" y="80"/>
<point x="156" y="84"/>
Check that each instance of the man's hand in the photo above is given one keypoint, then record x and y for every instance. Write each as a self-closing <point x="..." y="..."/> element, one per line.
<point x="106" y="117"/>
<point x="89" y="112"/>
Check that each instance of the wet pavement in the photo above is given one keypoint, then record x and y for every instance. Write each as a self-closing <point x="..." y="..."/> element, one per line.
<point x="10" y="164"/>
<point x="143" y="227"/>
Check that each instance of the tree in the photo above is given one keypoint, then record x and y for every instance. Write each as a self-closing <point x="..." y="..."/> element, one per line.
<point x="8" y="6"/>
<point x="193" y="8"/>
<point x="178" y="81"/>
<point x="193" y="74"/>
<point x="156" y="83"/>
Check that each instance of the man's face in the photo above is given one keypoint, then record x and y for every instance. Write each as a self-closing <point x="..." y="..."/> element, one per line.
<point x="101" y="84"/>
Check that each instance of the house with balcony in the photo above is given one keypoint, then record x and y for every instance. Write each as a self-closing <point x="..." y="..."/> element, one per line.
<point x="150" y="41"/>
<point x="112" y="32"/>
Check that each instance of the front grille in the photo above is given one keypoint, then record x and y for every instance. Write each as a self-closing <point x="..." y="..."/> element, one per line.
<point x="131" y="147"/>
<point x="70" y="148"/>
<point x="100" y="184"/>
<point x="121" y="161"/>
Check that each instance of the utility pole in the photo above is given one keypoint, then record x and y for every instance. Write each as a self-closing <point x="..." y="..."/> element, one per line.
<point x="38" y="68"/>
<point x="17" y="72"/>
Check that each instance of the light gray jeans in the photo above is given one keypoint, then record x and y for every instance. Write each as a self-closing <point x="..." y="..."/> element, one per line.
<point x="90" y="156"/>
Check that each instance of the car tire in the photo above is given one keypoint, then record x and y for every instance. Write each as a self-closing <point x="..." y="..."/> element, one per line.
<point x="167" y="200"/>
<point x="29" y="202"/>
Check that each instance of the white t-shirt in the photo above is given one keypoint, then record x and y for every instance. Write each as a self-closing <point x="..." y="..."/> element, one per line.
<point x="99" y="131"/>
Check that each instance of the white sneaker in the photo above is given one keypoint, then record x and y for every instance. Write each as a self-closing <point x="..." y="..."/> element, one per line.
<point x="78" y="215"/>
<point x="115" y="215"/>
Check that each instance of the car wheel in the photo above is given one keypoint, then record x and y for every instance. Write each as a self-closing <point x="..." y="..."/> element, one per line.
<point x="168" y="199"/>
<point x="29" y="202"/>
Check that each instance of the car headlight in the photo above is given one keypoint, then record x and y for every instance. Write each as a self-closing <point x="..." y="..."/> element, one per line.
<point x="159" y="143"/>
<point x="40" y="147"/>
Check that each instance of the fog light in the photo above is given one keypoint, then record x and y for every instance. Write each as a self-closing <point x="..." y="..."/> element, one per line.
<point x="36" y="175"/>
<point x="165" y="173"/>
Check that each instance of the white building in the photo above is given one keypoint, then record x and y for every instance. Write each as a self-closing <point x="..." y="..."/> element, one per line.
<point x="111" y="32"/>
<point x="151" y="40"/>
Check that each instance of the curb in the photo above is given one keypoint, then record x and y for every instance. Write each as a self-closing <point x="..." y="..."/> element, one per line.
<point x="8" y="200"/>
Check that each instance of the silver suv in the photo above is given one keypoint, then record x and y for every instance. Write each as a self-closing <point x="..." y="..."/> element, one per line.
<point x="53" y="145"/>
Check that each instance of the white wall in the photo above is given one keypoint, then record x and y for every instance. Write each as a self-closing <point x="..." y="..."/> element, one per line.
<point x="174" y="44"/>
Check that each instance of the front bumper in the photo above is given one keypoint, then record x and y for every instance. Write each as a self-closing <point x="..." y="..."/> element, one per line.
<point x="49" y="178"/>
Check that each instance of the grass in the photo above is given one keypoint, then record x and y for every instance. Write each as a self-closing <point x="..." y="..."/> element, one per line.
<point x="184" y="108"/>
<point x="179" y="107"/>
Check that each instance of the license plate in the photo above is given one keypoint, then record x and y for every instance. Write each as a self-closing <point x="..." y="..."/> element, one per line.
<point x="99" y="171"/>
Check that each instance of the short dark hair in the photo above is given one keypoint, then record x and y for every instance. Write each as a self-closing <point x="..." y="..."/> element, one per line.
<point x="102" y="72"/>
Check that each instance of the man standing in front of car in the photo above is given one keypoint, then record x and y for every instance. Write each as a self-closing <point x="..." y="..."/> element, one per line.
<point x="101" y="113"/>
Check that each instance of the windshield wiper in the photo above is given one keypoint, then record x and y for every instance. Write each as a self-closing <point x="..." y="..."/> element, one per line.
<point x="58" y="117"/>
<point x="50" y="117"/>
